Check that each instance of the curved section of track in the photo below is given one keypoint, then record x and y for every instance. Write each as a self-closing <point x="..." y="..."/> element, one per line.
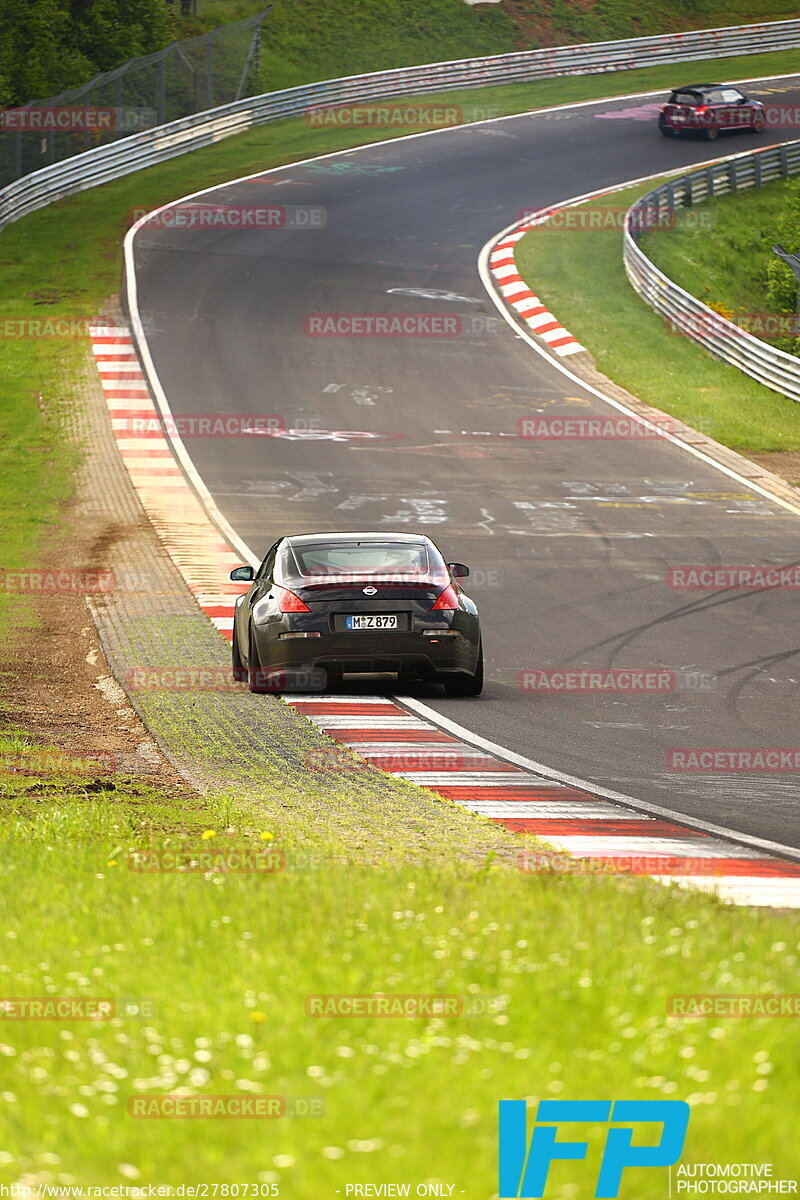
<point x="568" y="541"/>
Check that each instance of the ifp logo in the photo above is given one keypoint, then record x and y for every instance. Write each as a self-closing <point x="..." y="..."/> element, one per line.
<point x="524" y="1168"/>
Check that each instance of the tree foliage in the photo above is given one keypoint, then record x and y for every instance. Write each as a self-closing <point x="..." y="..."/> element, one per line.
<point x="47" y="46"/>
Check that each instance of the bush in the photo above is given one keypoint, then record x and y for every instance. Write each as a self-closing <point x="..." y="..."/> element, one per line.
<point x="782" y="286"/>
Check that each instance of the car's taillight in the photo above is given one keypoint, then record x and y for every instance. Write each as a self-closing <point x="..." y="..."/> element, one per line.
<point x="447" y="601"/>
<point x="288" y="602"/>
<point x="701" y="108"/>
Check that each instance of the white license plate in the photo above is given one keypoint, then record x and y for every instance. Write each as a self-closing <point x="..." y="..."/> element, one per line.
<point x="371" y="622"/>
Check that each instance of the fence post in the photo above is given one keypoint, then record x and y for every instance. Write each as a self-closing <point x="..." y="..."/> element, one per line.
<point x="120" y="100"/>
<point x="253" y="58"/>
<point x="257" y="51"/>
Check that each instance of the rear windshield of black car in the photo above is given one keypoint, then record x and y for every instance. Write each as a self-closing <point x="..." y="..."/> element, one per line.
<point x="692" y="99"/>
<point x="332" y="562"/>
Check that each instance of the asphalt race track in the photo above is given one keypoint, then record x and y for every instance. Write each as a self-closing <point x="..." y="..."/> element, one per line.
<point x="568" y="541"/>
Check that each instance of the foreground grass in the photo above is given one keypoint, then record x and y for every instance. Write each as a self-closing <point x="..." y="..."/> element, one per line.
<point x="582" y="276"/>
<point x="564" y="985"/>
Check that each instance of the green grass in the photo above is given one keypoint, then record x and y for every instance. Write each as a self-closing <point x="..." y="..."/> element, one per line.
<point x="599" y="20"/>
<point x="567" y="979"/>
<point x="47" y="793"/>
<point x="728" y="265"/>
<point x="581" y="275"/>
<point x="36" y="461"/>
<point x="305" y="40"/>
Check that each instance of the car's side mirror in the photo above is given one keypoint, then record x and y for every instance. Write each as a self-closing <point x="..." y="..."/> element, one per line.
<point x="458" y="570"/>
<point x="242" y="574"/>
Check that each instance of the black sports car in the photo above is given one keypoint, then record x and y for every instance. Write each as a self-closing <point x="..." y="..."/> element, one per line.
<point x="322" y="605"/>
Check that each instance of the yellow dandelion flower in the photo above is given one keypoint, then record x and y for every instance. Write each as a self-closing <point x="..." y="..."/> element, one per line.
<point x="208" y="833"/>
<point x="266" y="836"/>
<point x="258" y="1017"/>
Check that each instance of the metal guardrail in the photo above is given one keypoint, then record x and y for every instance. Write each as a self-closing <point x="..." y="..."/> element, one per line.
<point x="685" y="313"/>
<point x="129" y="154"/>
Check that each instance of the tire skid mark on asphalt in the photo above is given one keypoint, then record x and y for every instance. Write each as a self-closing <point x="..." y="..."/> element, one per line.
<point x="581" y="830"/>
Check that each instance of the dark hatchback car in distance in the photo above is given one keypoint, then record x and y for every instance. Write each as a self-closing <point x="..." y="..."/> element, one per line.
<point x="708" y="109"/>
<point x="328" y="604"/>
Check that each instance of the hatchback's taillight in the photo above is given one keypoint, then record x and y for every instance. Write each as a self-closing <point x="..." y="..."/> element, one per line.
<point x="447" y="601"/>
<point x="288" y="602"/>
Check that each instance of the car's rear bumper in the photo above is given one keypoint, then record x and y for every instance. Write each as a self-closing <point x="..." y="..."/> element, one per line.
<point x="403" y="652"/>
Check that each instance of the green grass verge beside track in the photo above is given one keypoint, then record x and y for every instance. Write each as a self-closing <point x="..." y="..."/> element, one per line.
<point x="580" y="274"/>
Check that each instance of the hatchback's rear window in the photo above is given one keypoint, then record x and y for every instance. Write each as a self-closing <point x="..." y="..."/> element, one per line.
<point x="688" y="98"/>
<point x="326" y="561"/>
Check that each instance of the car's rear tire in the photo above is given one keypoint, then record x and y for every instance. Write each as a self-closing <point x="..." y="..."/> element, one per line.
<point x="666" y="131"/>
<point x="464" y="684"/>
<point x="711" y="133"/>
<point x="256" y="675"/>
<point x="238" y="668"/>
